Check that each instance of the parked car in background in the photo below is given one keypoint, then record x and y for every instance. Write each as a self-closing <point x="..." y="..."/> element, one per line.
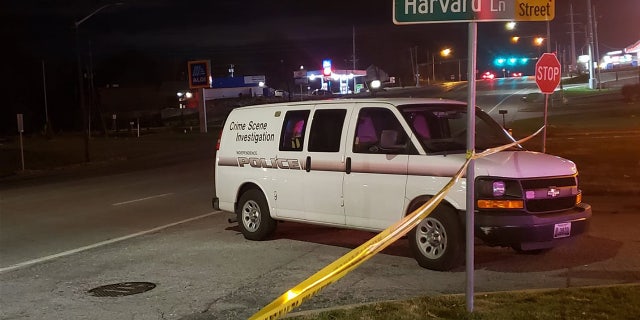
<point x="488" y="75"/>
<point x="281" y="93"/>
<point x="320" y="92"/>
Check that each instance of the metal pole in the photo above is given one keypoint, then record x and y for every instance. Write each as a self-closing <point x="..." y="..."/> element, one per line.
<point x="83" y="107"/>
<point x="21" y="151"/>
<point x="549" y="50"/>
<point x="44" y="87"/>
<point x="592" y="80"/>
<point x="413" y="66"/>
<point x="353" y="45"/>
<point x="548" y="37"/>
<point x="203" y="105"/>
<point x="433" y="67"/>
<point x="574" y="65"/>
<point x="471" y="139"/>
<point x="544" y="131"/>
<point x="417" y="67"/>
<point x="595" y="33"/>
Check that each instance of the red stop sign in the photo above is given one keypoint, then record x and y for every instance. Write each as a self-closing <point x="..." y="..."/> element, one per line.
<point x="548" y="73"/>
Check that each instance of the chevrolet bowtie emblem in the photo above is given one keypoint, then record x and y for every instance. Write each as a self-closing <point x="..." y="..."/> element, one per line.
<point x="553" y="192"/>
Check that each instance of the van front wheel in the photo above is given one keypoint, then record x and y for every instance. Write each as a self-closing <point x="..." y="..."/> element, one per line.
<point x="437" y="242"/>
<point x="254" y="218"/>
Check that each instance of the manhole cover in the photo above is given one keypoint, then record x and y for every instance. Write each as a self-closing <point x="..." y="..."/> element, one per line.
<point x="122" y="289"/>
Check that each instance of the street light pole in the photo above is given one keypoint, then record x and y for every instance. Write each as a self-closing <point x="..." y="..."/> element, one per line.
<point x="83" y="106"/>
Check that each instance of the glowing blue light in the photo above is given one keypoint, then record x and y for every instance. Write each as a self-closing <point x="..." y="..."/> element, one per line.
<point x="499" y="61"/>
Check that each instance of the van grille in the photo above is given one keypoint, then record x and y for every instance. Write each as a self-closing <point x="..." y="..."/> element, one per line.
<point x="566" y="187"/>
<point x="547" y="205"/>
<point x="545" y="183"/>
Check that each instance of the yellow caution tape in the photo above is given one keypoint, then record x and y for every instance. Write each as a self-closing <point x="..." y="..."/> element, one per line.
<point x="295" y="296"/>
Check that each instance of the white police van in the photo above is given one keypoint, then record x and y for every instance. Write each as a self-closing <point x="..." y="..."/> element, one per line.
<point x="364" y="164"/>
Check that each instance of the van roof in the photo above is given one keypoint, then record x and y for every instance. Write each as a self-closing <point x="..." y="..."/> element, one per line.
<point x="392" y="101"/>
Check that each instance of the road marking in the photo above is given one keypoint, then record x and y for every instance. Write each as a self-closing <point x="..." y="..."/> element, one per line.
<point x="505" y="99"/>
<point x="100" y="244"/>
<point x="142" y="199"/>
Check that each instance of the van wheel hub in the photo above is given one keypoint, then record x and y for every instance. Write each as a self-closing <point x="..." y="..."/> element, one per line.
<point x="431" y="238"/>
<point x="251" y="216"/>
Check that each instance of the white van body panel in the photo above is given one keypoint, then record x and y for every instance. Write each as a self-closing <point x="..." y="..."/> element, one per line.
<point x="321" y="187"/>
<point x="524" y="164"/>
<point x="429" y="174"/>
<point x="251" y="136"/>
<point x="373" y="175"/>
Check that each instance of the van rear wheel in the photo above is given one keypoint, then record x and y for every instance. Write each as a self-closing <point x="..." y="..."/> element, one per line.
<point x="437" y="242"/>
<point x="254" y="217"/>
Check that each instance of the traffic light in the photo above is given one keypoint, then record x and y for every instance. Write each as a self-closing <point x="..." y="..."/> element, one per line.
<point x="510" y="61"/>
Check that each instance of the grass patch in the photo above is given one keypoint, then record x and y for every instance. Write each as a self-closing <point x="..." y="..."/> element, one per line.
<point x="583" y="78"/>
<point x="621" y="302"/>
<point x="67" y="150"/>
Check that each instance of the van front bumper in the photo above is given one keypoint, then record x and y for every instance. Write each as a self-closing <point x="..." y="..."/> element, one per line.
<point x="527" y="231"/>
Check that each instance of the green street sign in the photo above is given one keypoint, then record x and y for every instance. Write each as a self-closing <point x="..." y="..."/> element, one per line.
<point x="441" y="11"/>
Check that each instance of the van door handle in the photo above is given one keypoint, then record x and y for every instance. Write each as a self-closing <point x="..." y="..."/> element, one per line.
<point x="307" y="165"/>
<point x="348" y="165"/>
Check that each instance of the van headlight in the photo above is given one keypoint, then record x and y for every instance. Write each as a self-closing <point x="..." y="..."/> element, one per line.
<point x="495" y="193"/>
<point x="498" y="188"/>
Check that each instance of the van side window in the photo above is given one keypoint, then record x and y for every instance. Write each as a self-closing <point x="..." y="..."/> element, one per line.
<point x="293" y="128"/>
<point x="378" y="131"/>
<point x="326" y="130"/>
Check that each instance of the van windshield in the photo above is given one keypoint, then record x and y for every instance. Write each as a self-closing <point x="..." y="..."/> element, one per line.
<point x="443" y="128"/>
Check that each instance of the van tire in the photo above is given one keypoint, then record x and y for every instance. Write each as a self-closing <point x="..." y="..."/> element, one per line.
<point x="254" y="217"/>
<point x="437" y="242"/>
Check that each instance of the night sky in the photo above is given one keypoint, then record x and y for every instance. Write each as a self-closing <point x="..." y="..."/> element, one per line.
<point x="146" y="42"/>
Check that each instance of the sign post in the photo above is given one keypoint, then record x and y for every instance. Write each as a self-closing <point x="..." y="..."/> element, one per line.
<point x="472" y="11"/>
<point x="547" y="78"/>
<point x="200" y="78"/>
<point x="19" y="118"/>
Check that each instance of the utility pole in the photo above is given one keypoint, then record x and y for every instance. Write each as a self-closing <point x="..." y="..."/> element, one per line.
<point x="47" y="125"/>
<point x="417" y="68"/>
<point x="433" y="67"/>
<point x="548" y="37"/>
<point x="597" y="58"/>
<point x="353" y="45"/>
<point x="574" y="63"/>
<point x="414" y="64"/>
<point x="592" y="80"/>
<point x="82" y="102"/>
<point x="353" y="56"/>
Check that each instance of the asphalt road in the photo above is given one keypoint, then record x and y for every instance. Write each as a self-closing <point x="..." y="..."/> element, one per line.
<point x="60" y="238"/>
